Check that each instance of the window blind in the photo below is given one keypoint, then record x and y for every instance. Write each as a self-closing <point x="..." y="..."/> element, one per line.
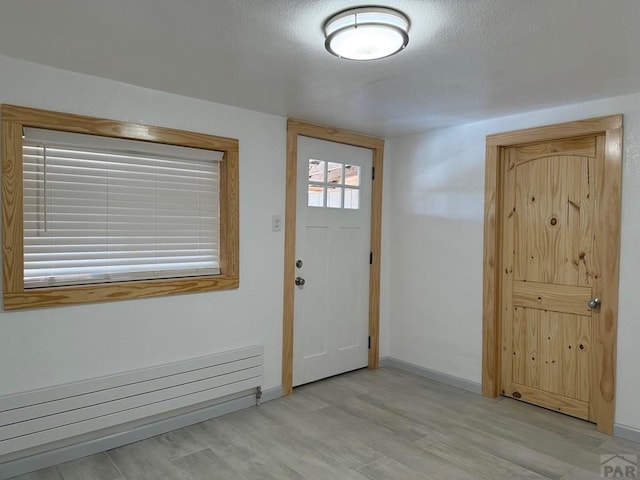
<point x="100" y="209"/>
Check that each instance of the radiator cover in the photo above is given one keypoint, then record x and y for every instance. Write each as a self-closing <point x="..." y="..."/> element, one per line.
<point x="39" y="417"/>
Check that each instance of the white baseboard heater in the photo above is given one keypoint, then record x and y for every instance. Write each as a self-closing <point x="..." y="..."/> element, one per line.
<point x="46" y="416"/>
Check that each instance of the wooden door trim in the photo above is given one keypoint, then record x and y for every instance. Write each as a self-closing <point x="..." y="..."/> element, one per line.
<point x="376" y="145"/>
<point x="609" y="209"/>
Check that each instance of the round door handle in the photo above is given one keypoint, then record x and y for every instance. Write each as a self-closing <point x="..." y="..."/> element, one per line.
<point x="594" y="303"/>
<point x="300" y="281"/>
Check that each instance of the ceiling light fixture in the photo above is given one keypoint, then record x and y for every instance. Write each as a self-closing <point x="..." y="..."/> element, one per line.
<point x="366" y="33"/>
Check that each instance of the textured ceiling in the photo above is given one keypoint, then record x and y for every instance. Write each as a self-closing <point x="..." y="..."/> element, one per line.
<point x="466" y="59"/>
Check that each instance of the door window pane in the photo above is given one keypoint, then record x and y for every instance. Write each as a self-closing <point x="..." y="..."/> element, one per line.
<point x="352" y="175"/>
<point x="334" y="197"/>
<point x="316" y="171"/>
<point x="315" y="196"/>
<point x="352" y="198"/>
<point x="334" y="173"/>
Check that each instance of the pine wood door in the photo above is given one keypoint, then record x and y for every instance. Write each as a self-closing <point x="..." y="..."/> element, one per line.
<point x="551" y="269"/>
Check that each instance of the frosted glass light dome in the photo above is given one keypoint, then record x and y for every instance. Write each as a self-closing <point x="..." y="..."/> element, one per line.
<point x="366" y="33"/>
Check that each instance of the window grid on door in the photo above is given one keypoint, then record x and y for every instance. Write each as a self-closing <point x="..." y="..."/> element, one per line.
<point x="333" y="185"/>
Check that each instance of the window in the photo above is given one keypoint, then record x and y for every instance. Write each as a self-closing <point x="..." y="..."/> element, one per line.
<point x="100" y="209"/>
<point x="333" y="185"/>
<point x="97" y="210"/>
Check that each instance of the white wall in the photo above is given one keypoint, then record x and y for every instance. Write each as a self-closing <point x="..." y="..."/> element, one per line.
<point x="432" y="247"/>
<point x="49" y="346"/>
<point x="435" y="198"/>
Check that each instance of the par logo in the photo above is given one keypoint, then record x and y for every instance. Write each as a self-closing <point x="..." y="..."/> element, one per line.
<point x="619" y="466"/>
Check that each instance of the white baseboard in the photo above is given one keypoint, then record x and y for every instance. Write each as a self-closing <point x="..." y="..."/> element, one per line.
<point x="628" y="433"/>
<point x="271" y="394"/>
<point x="48" y="458"/>
<point x="462" y="383"/>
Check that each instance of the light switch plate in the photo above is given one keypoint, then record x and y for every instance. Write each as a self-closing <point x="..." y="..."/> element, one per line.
<point x="276" y="223"/>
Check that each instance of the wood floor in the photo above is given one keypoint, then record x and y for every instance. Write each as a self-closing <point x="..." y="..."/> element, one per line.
<point x="383" y="424"/>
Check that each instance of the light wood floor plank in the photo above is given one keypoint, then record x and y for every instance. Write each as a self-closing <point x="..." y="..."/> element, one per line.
<point x="50" y="473"/>
<point x="146" y="460"/>
<point x="253" y="462"/>
<point x="312" y="427"/>
<point x="460" y="452"/>
<point x="388" y="469"/>
<point x="95" y="467"/>
<point x="205" y="465"/>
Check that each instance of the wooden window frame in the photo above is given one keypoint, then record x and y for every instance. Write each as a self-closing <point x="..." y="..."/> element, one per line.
<point x="376" y="145"/>
<point x="16" y="297"/>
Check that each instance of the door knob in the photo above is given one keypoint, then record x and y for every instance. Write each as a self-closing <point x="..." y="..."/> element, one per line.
<point x="300" y="281"/>
<point x="594" y="303"/>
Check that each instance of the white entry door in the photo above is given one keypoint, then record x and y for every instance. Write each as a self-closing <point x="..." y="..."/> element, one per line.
<point x="333" y="223"/>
